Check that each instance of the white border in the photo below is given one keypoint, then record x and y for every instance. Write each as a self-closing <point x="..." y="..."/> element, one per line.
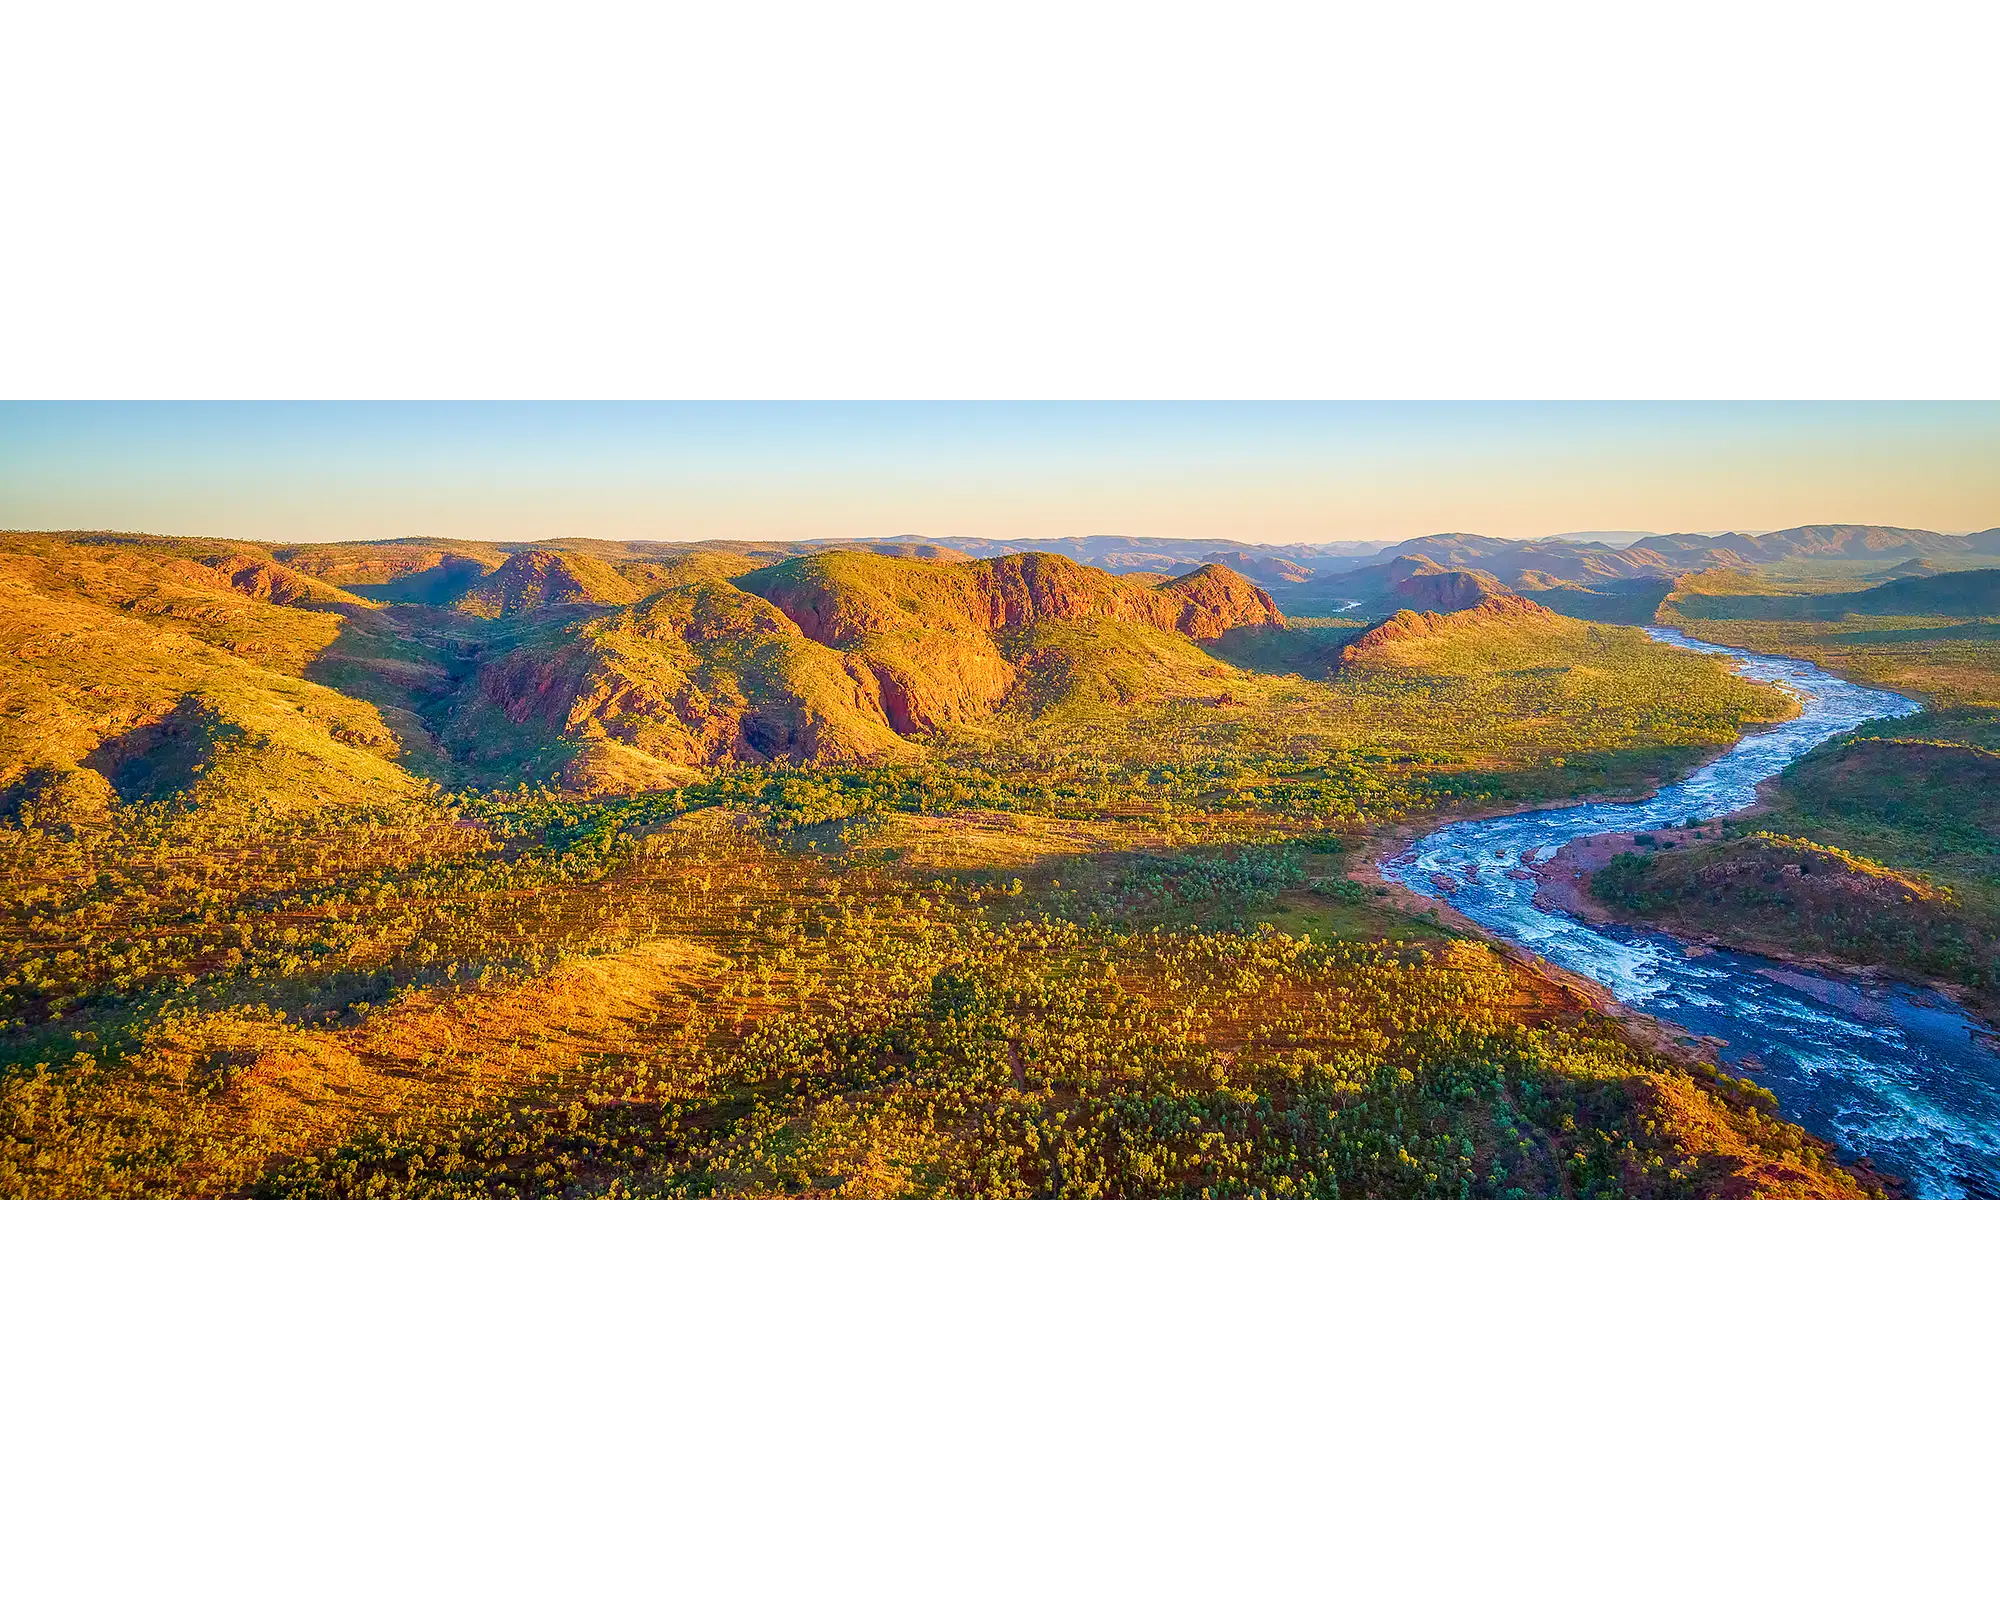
<point x="904" y="1400"/>
<point x="1042" y="200"/>
<point x="1050" y="199"/>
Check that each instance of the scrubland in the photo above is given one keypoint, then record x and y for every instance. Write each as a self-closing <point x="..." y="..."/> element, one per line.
<point x="543" y="997"/>
<point x="400" y="870"/>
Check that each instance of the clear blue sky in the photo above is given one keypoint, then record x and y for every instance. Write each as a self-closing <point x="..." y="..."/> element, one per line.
<point x="1272" y="473"/>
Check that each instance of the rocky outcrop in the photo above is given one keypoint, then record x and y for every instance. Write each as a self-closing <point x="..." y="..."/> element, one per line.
<point x="1261" y="569"/>
<point x="1501" y="609"/>
<point x="264" y="579"/>
<point x="535" y="580"/>
<point x="1212" y="600"/>
<point x="927" y="683"/>
<point x="696" y="677"/>
<point x="846" y="599"/>
<point x="1444" y="591"/>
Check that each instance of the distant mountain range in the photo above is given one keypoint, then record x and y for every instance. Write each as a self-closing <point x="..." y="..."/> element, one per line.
<point x="1333" y="578"/>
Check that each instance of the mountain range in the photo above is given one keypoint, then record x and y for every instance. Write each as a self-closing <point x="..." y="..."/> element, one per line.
<point x="300" y="673"/>
<point x="1329" y="579"/>
<point x="294" y="675"/>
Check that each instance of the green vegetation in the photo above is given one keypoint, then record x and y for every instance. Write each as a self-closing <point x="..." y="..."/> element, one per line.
<point x="1973" y="593"/>
<point x="1633" y="601"/>
<point x="400" y="870"/>
<point x="1488" y="706"/>
<point x="547" y="996"/>
<point x="1944" y="661"/>
<point x="1880" y="850"/>
<point x="535" y="579"/>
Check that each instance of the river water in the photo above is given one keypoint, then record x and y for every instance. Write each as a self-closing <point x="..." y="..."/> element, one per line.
<point x="1882" y="1070"/>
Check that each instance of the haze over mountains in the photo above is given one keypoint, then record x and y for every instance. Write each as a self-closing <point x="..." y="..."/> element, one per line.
<point x="1605" y="579"/>
<point x="1340" y="578"/>
<point x="1456" y="569"/>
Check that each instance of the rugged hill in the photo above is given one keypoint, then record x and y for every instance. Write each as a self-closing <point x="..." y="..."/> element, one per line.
<point x="1815" y="542"/>
<point x="637" y="674"/>
<point x="842" y="598"/>
<point x="1447" y="591"/>
<point x="229" y="595"/>
<point x="1603" y="582"/>
<point x="1388" y="640"/>
<point x="1315" y="578"/>
<point x="939" y="643"/>
<point x="138" y="676"/>
<point x="1123" y="554"/>
<point x="1510" y="671"/>
<point x="158" y="670"/>
<point x="535" y="580"/>
<point x="396" y="571"/>
<point x="601" y="665"/>
<point x="1414" y="574"/>
<point x="1214" y="599"/>
<point x="256" y="574"/>
<point x="1405" y="582"/>
<point x="1575" y="561"/>
<point x="912" y="551"/>
<point x="695" y="676"/>
<point x="1260" y="568"/>
<point x="1852" y="542"/>
<point x="1582" y="559"/>
<point x="1608" y="569"/>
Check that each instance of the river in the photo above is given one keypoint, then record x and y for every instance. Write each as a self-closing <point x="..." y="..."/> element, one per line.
<point x="1886" y="1071"/>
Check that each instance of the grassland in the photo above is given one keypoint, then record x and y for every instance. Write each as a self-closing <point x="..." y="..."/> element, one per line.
<point x="563" y="882"/>
<point x="1946" y="662"/>
<point x="1510" y="706"/>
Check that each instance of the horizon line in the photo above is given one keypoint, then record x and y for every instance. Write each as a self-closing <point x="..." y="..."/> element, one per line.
<point x="1611" y="537"/>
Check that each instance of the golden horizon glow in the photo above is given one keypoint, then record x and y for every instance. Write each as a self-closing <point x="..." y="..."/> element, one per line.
<point x="1273" y="474"/>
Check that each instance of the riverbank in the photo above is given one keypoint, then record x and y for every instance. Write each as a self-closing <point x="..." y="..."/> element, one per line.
<point x="1378" y="845"/>
<point x="1897" y="1078"/>
<point x="1697" y="1055"/>
<point x="1563" y="886"/>
<point x="1677" y="1044"/>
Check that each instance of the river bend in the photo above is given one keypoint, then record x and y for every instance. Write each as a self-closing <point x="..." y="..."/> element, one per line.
<point x="1883" y="1070"/>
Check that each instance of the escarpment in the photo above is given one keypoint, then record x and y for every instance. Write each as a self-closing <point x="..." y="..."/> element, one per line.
<point x="157" y="673"/>
<point x="846" y="598"/>
<point x="937" y="639"/>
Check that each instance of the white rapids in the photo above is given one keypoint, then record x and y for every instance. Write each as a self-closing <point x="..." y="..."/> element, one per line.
<point x="1883" y="1070"/>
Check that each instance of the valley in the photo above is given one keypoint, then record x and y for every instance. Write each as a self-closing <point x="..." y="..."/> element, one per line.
<point x="441" y="868"/>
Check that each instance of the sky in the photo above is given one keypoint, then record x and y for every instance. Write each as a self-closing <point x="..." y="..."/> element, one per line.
<point x="1278" y="473"/>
